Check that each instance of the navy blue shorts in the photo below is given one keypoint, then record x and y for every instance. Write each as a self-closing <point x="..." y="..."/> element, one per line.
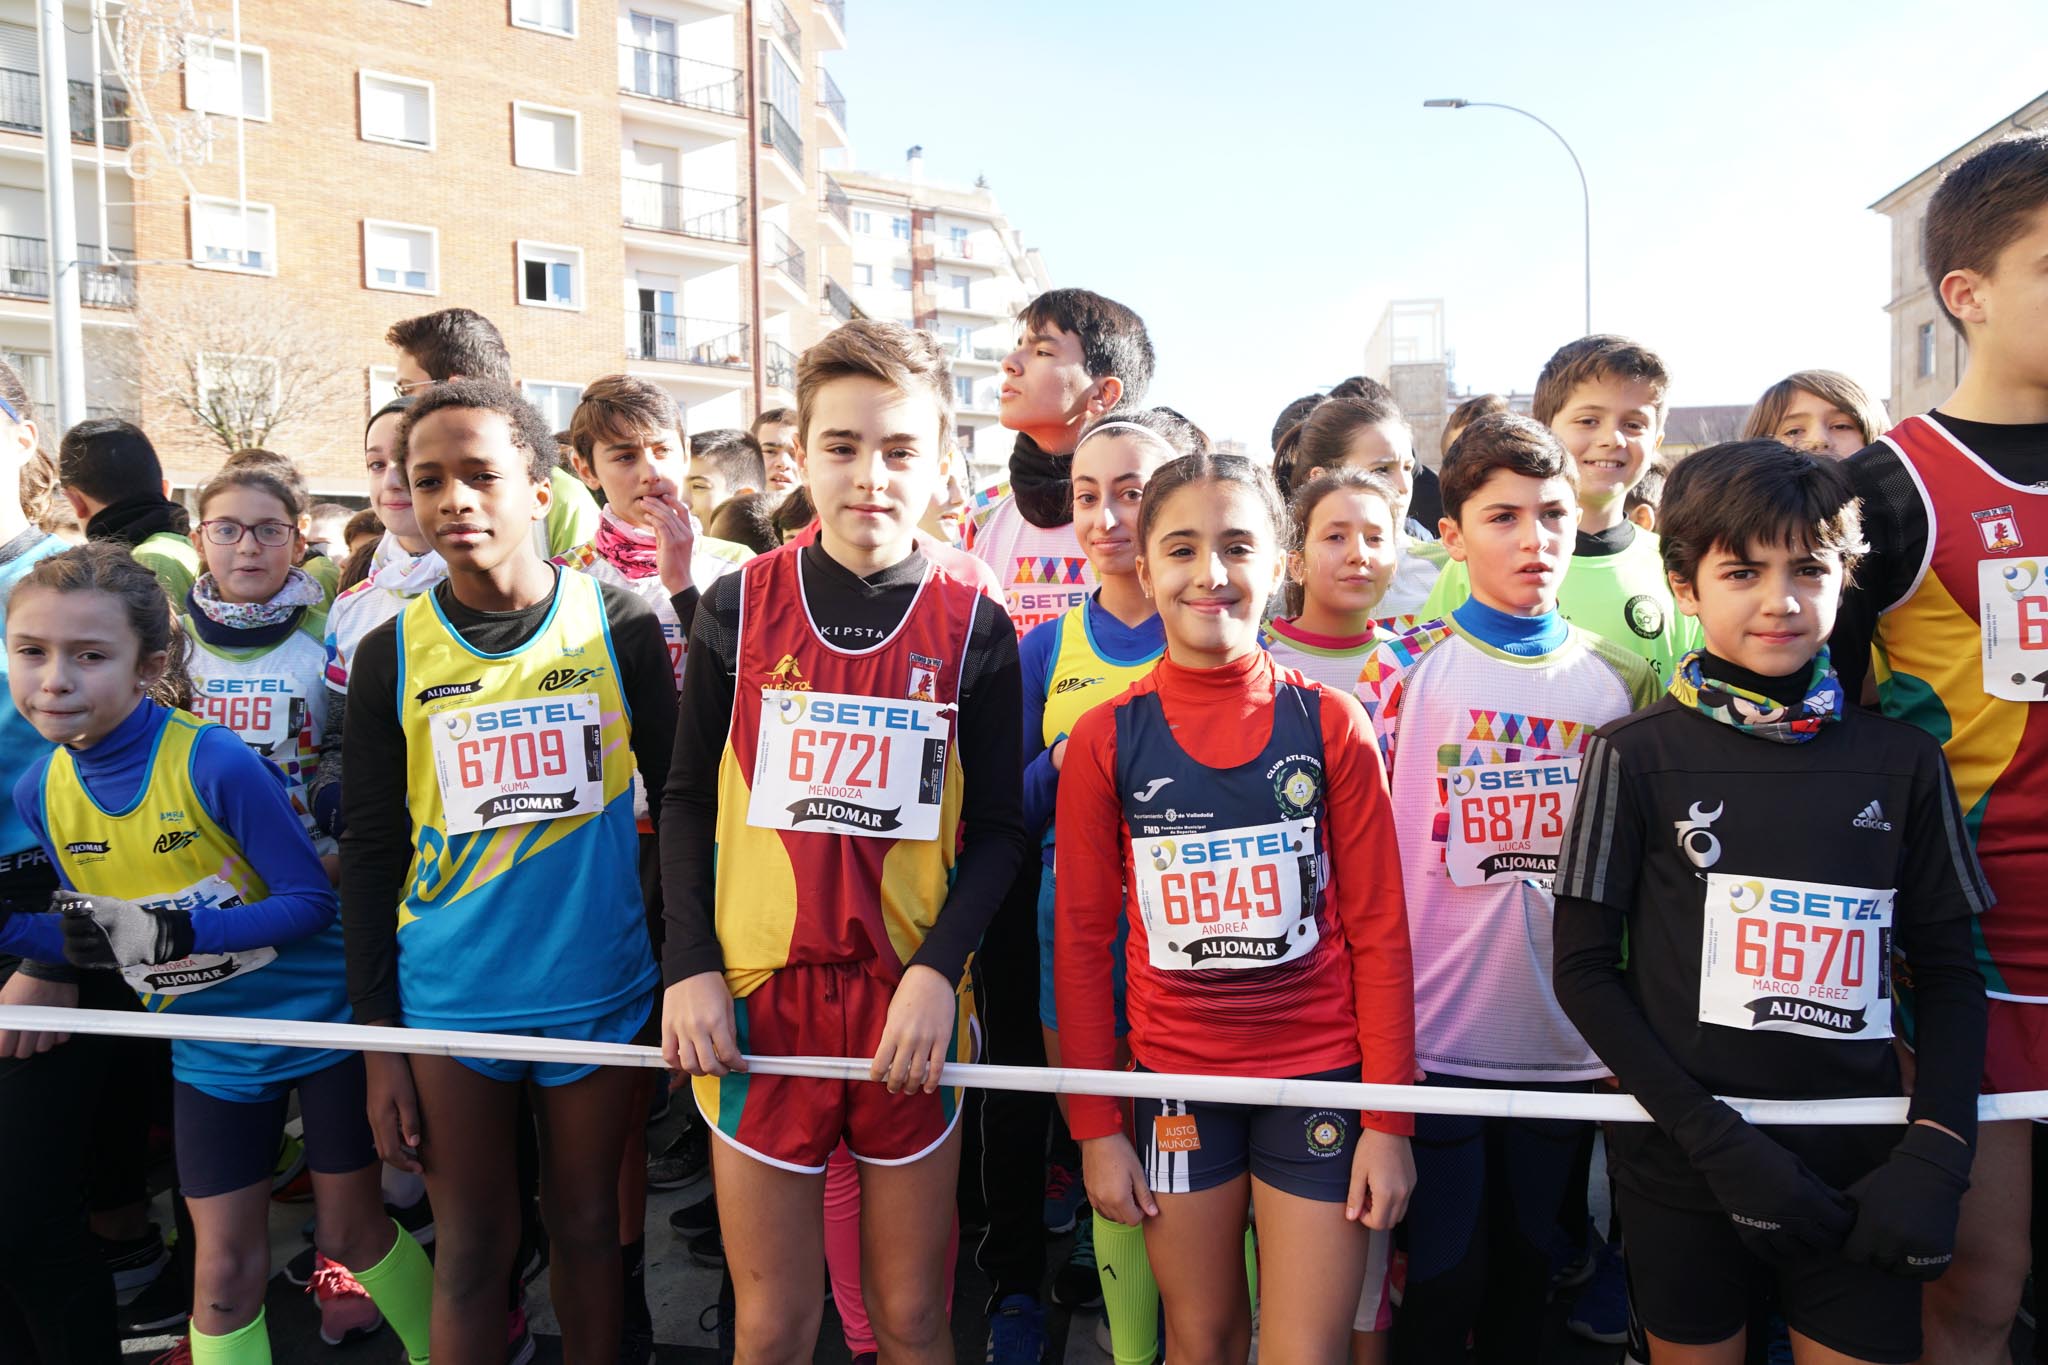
<point x="227" y="1145"/>
<point x="1190" y="1145"/>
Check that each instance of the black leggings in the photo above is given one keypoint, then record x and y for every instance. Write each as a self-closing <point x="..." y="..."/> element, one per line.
<point x="1014" y="1123"/>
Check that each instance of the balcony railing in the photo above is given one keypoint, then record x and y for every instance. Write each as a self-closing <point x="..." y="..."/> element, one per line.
<point x="778" y="366"/>
<point x="709" y="214"/>
<point x="838" y="302"/>
<point x="837" y="9"/>
<point x="21" y="107"/>
<point x="25" y="273"/>
<point x="829" y="98"/>
<point x="689" y="341"/>
<point x="681" y="80"/>
<point x="835" y="201"/>
<point x="781" y="253"/>
<point x="777" y="132"/>
<point x="995" y="353"/>
<point x="785" y="26"/>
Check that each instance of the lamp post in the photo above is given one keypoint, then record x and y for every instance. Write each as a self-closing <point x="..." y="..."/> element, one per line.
<point x="1585" y="195"/>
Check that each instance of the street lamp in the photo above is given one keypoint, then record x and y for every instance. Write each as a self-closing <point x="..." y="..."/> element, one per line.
<point x="1585" y="195"/>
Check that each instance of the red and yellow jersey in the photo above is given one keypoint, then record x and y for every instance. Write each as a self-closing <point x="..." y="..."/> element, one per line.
<point x="1964" y="656"/>
<point x="839" y="790"/>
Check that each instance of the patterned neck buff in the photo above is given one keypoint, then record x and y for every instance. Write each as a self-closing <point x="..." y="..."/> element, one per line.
<point x="1755" y="714"/>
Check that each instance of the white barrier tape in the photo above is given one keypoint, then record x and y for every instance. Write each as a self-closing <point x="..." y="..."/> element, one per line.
<point x="1254" y="1090"/>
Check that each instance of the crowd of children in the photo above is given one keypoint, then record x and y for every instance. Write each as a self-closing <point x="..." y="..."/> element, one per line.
<point x="1557" y="769"/>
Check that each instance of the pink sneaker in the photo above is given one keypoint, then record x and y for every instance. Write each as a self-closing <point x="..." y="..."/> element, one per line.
<point x="345" y="1308"/>
<point x="181" y="1354"/>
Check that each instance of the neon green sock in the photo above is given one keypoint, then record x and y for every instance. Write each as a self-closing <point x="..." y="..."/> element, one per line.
<point x="248" y="1344"/>
<point x="1251" y="1263"/>
<point x="402" y="1287"/>
<point x="1130" y="1296"/>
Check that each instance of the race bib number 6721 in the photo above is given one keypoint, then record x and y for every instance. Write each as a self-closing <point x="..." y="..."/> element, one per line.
<point x="836" y="763"/>
<point x="2012" y="611"/>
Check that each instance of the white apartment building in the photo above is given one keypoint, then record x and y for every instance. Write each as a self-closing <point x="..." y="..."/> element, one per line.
<point x="945" y="260"/>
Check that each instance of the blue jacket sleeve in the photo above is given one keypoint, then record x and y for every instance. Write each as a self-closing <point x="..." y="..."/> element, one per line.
<point x="245" y="796"/>
<point x="1041" y="780"/>
<point x="36" y="937"/>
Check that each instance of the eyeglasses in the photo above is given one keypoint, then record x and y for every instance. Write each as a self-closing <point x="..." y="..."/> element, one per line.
<point x="268" y="533"/>
<point x="408" y="387"/>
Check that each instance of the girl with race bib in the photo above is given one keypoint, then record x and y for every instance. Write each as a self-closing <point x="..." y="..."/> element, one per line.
<point x="185" y="866"/>
<point x="1234" y="815"/>
<point x="1339" y="564"/>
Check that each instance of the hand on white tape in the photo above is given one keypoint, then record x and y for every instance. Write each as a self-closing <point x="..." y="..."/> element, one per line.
<point x="923" y="1015"/>
<point x="697" y="1030"/>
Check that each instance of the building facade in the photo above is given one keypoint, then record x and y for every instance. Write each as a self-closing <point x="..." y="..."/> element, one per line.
<point x="1927" y="351"/>
<point x="945" y="260"/>
<point x="620" y="185"/>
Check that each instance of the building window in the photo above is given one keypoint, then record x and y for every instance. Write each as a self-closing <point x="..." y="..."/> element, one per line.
<point x="963" y="289"/>
<point x="401" y="257"/>
<point x="230" y="235"/>
<point x="1925" y="347"/>
<point x="550" y="276"/>
<point x="383" y="380"/>
<point x="900" y="278"/>
<point x="785" y="87"/>
<point x="557" y="402"/>
<point x="396" y="109"/>
<point x="547" y="16"/>
<point x="899" y="228"/>
<point x="959" y="241"/>
<point x="963" y="391"/>
<point x="237" y="392"/>
<point x="863" y="274"/>
<point x="546" y="139"/>
<point x="227" y="79"/>
<point x="963" y="340"/>
<point x="863" y="222"/>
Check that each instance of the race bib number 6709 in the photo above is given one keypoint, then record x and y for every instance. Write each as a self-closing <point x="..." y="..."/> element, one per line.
<point x="512" y="763"/>
<point x="836" y="763"/>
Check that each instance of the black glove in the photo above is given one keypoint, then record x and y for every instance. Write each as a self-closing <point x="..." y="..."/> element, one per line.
<point x="1782" y="1211"/>
<point x="100" y="931"/>
<point x="1906" y="1209"/>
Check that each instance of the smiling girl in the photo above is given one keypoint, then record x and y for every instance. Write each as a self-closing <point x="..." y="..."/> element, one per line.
<point x="1339" y="567"/>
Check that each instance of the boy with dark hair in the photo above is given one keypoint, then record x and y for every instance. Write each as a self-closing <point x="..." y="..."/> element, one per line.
<point x="1482" y="785"/>
<point x="1647" y="496"/>
<point x="776" y="430"/>
<point x="110" y="474"/>
<point x="1812" y="838"/>
<point x="748" y="520"/>
<point x="723" y="464"/>
<point x="1079" y="355"/>
<point x="461" y="343"/>
<point x="1603" y="397"/>
<point x="1956" y="512"/>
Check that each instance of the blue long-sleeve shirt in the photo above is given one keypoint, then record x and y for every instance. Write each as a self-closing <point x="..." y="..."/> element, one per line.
<point x="1115" y="642"/>
<point x="243" y="794"/>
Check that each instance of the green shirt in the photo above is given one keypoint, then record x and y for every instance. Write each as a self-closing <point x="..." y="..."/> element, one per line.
<point x="174" y="560"/>
<point x="572" y="516"/>
<point x="1622" y="597"/>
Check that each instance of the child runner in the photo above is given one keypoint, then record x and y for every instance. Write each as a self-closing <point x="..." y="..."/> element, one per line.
<point x="186" y="868"/>
<point x="1070" y="664"/>
<point x="1751" y="954"/>
<point x="1647" y="496"/>
<point x="493" y="732"/>
<point x="1823" y="411"/>
<point x="1956" y="514"/>
<point x="114" y="482"/>
<point x="837" y="696"/>
<point x="1484" y="715"/>
<point x="775" y="432"/>
<point x="627" y="437"/>
<point x="1078" y="356"/>
<point x="323" y="570"/>
<point x="747" y="521"/>
<point x="1282" y="951"/>
<point x="1340" y="560"/>
<point x="1370" y="434"/>
<point x="1603" y="397"/>
<point x="723" y="464"/>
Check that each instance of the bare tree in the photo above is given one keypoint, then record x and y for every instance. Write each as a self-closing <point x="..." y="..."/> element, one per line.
<point x="235" y="373"/>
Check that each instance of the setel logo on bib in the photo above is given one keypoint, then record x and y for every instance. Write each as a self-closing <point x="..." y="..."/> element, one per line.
<point x="1796" y="957"/>
<point x="1229" y="898"/>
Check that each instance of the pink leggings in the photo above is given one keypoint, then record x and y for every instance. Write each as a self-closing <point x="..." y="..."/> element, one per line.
<point x="842" y="1249"/>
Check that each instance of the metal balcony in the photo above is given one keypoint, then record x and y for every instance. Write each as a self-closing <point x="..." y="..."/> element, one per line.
<point x="829" y="97"/>
<point x="837" y="9"/>
<point x="681" y="80"/>
<point x="21" y="107"/>
<point x="25" y="273"/>
<point x="778" y="252"/>
<point x="838" y="302"/>
<point x="835" y="202"/>
<point x="778" y="366"/>
<point x="786" y="28"/>
<point x="779" y="133"/>
<point x="689" y="341"/>
<point x="710" y="214"/>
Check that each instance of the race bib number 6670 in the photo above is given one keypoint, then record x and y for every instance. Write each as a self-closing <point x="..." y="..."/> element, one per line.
<point x="835" y="763"/>
<point x="1796" y="957"/>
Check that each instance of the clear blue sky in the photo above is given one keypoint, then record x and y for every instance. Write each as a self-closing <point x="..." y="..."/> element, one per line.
<point x="1259" y="179"/>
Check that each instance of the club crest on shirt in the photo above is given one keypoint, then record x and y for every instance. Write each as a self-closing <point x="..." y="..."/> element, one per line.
<point x="1297" y="785"/>
<point x="924" y="678"/>
<point x="2000" y="532"/>
<point x="787" y="677"/>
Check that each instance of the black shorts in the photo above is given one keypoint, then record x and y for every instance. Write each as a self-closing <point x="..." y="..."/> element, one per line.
<point x="227" y="1145"/>
<point x="1190" y="1145"/>
<point x="1690" y="1280"/>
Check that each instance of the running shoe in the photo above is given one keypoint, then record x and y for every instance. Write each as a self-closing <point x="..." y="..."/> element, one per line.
<point x="298" y="1271"/>
<point x="693" y="1219"/>
<point x="134" y="1262"/>
<point x="181" y="1354"/>
<point x="519" y="1347"/>
<point x="1064" y="1195"/>
<point x="636" y="1345"/>
<point x="708" y="1249"/>
<point x="165" y="1303"/>
<point x="682" y="1161"/>
<point x="1600" y="1312"/>
<point x="1078" y="1284"/>
<point x="291" y="1182"/>
<point x="345" y="1308"/>
<point x="1570" y="1266"/>
<point x="1016" y="1332"/>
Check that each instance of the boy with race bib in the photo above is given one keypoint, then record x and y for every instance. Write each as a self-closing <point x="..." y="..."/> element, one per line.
<point x="1744" y="862"/>
<point x="1234" y="816"/>
<point x="185" y="866"/>
<point x="488" y="877"/>
<point x="827" y="865"/>
<point x="1483" y="715"/>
